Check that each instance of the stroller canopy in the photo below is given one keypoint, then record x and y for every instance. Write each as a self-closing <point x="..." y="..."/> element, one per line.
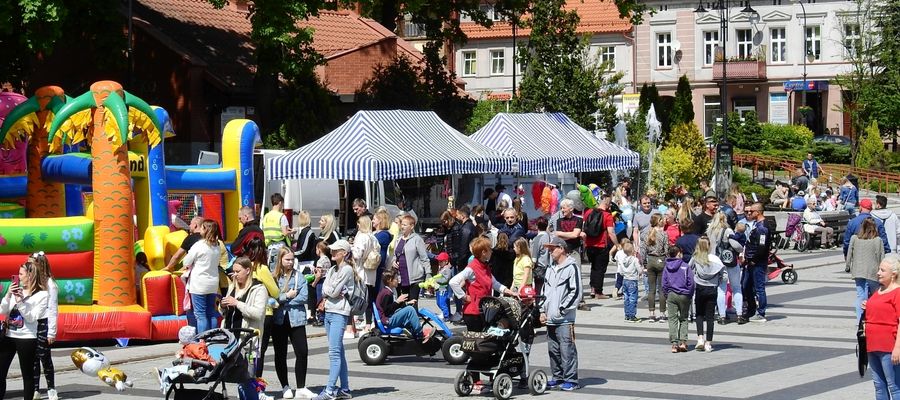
<point x="495" y="309"/>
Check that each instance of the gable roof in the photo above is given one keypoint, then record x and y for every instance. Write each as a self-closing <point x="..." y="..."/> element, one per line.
<point x="596" y="17"/>
<point x="220" y="38"/>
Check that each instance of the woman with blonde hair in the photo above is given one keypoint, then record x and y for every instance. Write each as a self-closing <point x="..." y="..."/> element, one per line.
<point x="739" y="200"/>
<point x="202" y="264"/>
<point x="410" y="258"/>
<point x="244" y="306"/>
<point x="865" y="252"/>
<point x="717" y="231"/>
<point x="708" y="274"/>
<point x="654" y="245"/>
<point x="882" y="341"/>
<point x="339" y="280"/>
<point x="289" y="323"/>
<point x="46" y="328"/>
<point x="329" y="232"/>
<point x="363" y="243"/>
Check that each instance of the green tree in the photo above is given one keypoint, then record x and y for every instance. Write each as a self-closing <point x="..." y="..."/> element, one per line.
<point x="313" y="113"/>
<point x="683" y="108"/>
<point x="484" y="111"/>
<point x="684" y="159"/>
<point x="871" y="153"/>
<point x="560" y="75"/>
<point x="395" y="85"/>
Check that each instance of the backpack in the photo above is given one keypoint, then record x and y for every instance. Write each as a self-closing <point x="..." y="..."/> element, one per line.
<point x="373" y="258"/>
<point x="358" y="297"/>
<point x="725" y="252"/>
<point x="593" y="225"/>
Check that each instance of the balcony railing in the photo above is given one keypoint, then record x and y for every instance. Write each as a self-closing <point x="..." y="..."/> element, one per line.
<point x="741" y="70"/>
<point x="411" y="30"/>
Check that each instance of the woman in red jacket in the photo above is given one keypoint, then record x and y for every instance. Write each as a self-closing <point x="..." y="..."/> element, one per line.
<point x="882" y="343"/>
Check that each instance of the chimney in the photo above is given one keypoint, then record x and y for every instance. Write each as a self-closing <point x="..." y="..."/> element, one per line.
<point x="240" y="5"/>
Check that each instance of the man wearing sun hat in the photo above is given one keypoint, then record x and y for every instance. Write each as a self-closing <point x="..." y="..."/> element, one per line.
<point x="865" y="211"/>
<point x="562" y="288"/>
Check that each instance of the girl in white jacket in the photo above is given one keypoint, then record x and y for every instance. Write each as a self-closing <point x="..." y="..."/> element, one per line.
<point x="24" y="304"/>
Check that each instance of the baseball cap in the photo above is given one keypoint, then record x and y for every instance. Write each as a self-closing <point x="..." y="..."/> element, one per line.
<point x="340" y="245"/>
<point x="443" y="256"/>
<point x="865" y="203"/>
<point x="555" y="241"/>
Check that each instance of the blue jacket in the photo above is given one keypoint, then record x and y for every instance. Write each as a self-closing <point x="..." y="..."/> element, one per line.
<point x="294" y="308"/>
<point x="853" y="227"/>
<point x="513" y="232"/>
<point x="849" y="195"/>
<point x="756" y="252"/>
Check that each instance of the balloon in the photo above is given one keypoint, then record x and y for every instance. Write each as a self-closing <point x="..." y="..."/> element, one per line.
<point x="93" y="363"/>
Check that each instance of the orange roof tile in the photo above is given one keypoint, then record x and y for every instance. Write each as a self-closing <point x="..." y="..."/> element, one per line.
<point x="596" y="17"/>
<point x="221" y="38"/>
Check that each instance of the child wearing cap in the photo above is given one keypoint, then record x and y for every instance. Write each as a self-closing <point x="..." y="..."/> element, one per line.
<point x="442" y="280"/>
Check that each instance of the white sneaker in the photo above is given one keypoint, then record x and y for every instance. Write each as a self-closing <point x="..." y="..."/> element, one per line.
<point x="349" y="335"/>
<point x="288" y="394"/>
<point x="52" y="395"/>
<point x="304" y="393"/>
<point x="700" y="343"/>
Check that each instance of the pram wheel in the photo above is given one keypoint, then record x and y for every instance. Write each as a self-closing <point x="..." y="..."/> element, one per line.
<point x="802" y="241"/>
<point x="464" y="383"/>
<point x="789" y="276"/>
<point x="453" y="352"/>
<point x="373" y="350"/>
<point x="537" y="382"/>
<point x="503" y="386"/>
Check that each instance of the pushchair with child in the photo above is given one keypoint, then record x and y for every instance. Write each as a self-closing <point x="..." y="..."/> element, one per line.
<point x="501" y="350"/>
<point x="229" y="350"/>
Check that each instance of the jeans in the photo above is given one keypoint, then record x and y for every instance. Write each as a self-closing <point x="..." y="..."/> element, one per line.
<point x="678" y="306"/>
<point x="737" y="298"/>
<point x="619" y="280"/>
<point x="563" y="353"/>
<point x="204" y="306"/>
<point x="755" y="283"/>
<point x="884" y="375"/>
<point x="864" y="290"/>
<point x="337" y="360"/>
<point x="442" y="297"/>
<point x="408" y="318"/>
<point x="630" y="289"/>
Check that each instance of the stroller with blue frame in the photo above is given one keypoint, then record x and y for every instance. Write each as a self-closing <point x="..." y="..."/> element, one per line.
<point x="230" y="348"/>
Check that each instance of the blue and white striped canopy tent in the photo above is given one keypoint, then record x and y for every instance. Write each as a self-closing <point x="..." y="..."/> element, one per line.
<point x="384" y="145"/>
<point x="546" y="143"/>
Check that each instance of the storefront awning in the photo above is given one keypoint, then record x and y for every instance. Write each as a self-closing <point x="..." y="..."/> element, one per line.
<point x="803" y="86"/>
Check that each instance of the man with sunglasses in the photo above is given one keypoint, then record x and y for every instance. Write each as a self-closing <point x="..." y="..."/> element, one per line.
<point x="756" y="254"/>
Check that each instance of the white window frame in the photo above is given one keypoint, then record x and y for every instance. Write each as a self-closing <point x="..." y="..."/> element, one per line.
<point x="744" y="45"/>
<point x="608" y="53"/>
<point x="664" y="53"/>
<point x="813" y="40"/>
<point x="467" y="62"/>
<point x="495" y="59"/>
<point x="778" y="44"/>
<point x="852" y="40"/>
<point x="710" y="43"/>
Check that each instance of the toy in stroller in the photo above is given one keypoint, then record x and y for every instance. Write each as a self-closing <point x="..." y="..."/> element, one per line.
<point x="227" y="363"/>
<point x="777" y="266"/>
<point x="501" y="350"/>
<point x="375" y="346"/>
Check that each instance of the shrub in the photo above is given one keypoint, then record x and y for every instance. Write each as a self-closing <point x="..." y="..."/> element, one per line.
<point x="684" y="160"/>
<point x="871" y="152"/>
<point x="748" y="186"/>
<point x="830" y="153"/>
<point x="777" y="136"/>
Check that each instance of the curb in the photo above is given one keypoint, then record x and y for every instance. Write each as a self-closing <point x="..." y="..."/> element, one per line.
<point x="70" y="367"/>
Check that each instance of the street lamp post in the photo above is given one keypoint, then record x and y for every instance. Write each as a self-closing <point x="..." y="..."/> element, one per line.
<point x="723" y="155"/>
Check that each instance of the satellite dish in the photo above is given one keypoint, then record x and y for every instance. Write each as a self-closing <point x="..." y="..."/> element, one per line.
<point x="757" y="38"/>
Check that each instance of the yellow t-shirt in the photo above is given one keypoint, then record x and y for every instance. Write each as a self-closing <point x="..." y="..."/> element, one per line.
<point x="523" y="261"/>
<point x="262" y="274"/>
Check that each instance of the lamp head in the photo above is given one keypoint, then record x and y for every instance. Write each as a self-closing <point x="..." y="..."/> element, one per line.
<point x="700" y="9"/>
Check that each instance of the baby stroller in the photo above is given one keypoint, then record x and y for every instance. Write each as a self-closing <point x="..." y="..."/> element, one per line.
<point x="794" y="232"/>
<point x="496" y="352"/>
<point x="777" y="266"/>
<point x="231" y="365"/>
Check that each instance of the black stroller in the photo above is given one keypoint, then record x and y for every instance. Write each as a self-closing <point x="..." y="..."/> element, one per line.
<point x="498" y="351"/>
<point x="230" y="353"/>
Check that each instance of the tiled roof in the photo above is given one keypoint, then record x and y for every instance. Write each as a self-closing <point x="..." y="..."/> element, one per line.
<point x="221" y="38"/>
<point x="596" y="17"/>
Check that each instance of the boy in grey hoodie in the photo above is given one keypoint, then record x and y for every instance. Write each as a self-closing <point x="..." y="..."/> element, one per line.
<point x="562" y="289"/>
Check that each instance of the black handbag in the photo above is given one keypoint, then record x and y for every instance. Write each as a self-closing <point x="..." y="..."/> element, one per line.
<point x="862" y="356"/>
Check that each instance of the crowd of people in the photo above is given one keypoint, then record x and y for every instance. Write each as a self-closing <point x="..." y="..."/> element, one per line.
<point x="695" y="261"/>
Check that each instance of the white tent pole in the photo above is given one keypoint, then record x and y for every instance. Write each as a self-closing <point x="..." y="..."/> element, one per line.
<point x="368" y="193"/>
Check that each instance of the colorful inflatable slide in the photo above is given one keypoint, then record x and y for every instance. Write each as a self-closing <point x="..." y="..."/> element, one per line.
<point x="93" y="191"/>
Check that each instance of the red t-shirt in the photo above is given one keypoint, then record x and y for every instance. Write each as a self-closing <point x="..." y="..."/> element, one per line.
<point x="598" y="241"/>
<point x="674" y="232"/>
<point x="882" y="315"/>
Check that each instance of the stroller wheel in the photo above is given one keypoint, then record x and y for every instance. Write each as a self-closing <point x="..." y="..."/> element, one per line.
<point x="453" y="352"/>
<point x="464" y="384"/>
<point x="373" y="350"/>
<point x="789" y="276"/>
<point x="503" y="386"/>
<point x="537" y="382"/>
<point x="803" y="241"/>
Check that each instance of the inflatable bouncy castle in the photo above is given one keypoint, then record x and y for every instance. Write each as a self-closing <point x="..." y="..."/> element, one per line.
<point x="85" y="181"/>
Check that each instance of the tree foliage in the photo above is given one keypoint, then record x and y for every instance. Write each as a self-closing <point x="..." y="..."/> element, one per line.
<point x="684" y="159"/>
<point x="484" y="111"/>
<point x="560" y="74"/>
<point x="871" y="153"/>
<point x="683" y="108"/>
<point x="313" y="113"/>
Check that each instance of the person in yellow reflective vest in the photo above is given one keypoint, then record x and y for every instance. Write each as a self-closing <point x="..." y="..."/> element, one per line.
<point x="276" y="229"/>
